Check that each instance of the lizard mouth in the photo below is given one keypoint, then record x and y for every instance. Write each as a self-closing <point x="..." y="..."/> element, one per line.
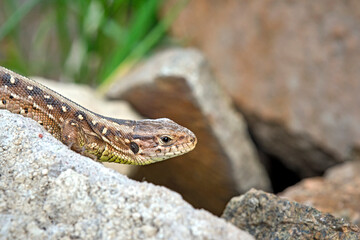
<point x="174" y="151"/>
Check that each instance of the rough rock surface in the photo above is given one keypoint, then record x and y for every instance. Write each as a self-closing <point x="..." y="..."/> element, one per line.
<point x="292" y="67"/>
<point x="49" y="192"/>
<point x="267" y="216"/>
<point x="336" y="193"/>
<point x="178" y="84"/>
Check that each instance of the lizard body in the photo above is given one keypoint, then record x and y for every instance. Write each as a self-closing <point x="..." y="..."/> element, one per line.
<point x="101" y="138"/>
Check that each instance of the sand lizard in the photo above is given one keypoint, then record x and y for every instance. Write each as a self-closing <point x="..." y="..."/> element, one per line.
<point x="101" y="138"/>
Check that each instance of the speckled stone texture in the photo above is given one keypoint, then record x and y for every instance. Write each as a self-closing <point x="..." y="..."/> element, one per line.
<point x="49" y="192"/>
<point x="267" y="216"/>
<point x="337" y="192"/>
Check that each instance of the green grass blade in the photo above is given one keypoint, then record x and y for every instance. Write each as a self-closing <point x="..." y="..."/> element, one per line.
<point x="138" y="30"/>
<point x="18" y="15"/>
<point x="145" y="46"/>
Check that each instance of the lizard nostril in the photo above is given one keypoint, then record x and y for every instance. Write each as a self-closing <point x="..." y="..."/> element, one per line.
<point x="193" y="141"/>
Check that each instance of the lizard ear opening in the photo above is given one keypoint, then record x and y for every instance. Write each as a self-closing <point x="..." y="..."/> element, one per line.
<point x="134" y="147"/>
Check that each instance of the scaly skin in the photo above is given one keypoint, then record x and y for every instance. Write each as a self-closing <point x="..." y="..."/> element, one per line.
<point x="101" y="138"/>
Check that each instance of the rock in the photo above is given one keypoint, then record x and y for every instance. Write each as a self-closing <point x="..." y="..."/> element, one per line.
<point x="267" y="216"/>
<point x="291" y="67"/>
<point x="336" y="193"/>
<point x="178" y="84"/>
<point x="50" y="192"/>
<point x="88" y="98"/>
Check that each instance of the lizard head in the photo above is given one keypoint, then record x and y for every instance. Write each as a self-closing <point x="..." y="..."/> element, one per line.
<point x="160" y="139"/>
<point x="148" y="141"/>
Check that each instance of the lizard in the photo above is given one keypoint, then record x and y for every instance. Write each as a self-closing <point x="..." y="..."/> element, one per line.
<point x="104" y="139"/>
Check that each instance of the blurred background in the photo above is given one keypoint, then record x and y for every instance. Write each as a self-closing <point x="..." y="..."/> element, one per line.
<point x="288" y="70"/>
<point x="80" y="41"/>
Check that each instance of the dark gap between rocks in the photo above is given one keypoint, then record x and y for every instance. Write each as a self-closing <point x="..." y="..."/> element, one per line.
<point x="280" y="176"/>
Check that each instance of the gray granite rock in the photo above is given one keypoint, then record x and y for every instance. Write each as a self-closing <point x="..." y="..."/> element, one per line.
<point x="267" y="216"/>
<point x="49" y="192"/>
<point x="337" y="192"/>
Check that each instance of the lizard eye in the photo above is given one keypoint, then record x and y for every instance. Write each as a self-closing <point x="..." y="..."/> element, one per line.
<point x="134" y="147"/>
<point x="165" y="139"/>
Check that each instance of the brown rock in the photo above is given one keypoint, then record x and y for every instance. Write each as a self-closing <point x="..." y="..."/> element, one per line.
<point x="336" y="193"/>
<point x="267" y="216"/>
<point x="178" y="84"/>
<point x="292" y="67"/>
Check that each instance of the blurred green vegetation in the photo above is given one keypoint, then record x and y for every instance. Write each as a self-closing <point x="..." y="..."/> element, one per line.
<point x="84" y="41"/>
